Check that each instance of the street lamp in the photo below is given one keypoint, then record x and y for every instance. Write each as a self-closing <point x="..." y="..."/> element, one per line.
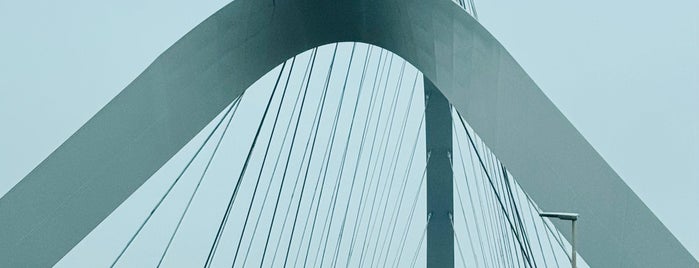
<point x="573" y="217"/>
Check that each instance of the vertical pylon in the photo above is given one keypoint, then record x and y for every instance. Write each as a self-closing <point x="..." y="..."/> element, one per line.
<point x="438" y="142"/>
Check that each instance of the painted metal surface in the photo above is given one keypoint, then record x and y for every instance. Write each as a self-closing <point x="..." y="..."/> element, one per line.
<point x="66" y="196"/>
<point x="440" y="178"/>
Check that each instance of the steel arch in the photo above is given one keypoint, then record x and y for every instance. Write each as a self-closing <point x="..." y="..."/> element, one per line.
<point x="68" y="194"/>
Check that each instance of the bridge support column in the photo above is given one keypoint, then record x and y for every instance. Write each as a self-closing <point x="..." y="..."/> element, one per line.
<point x="438" y="131"/>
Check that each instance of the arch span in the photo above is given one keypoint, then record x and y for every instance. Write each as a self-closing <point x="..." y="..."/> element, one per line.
<point x="116" y="151"/>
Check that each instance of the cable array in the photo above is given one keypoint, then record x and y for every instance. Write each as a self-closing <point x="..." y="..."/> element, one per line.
<point x="334" y="175"/>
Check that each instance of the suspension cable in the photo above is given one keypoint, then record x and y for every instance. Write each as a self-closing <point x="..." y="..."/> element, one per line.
<point x="224" y="220"/>
<point x="318" y="115"/>
<point x="379" y="114"/>
<point x="456" y="237"/>
<point x="502" y="207"/>
<point x="422" y="239"/>
<point x="157" y="205"/>
<point x="470" y="197"/>
<point x="278" y="158"/>
<point x="264" y="160"/>
<point x="281" y="187"/>
<point x="307" y="74"/>
<point x="394" y="217"/>
<point x="344" y="156"/>
<point x="389" y="181"/>
<point x="404" y="238"/>
<point x="361" y="147"/>
<point x="321" y="108"/>
<point x="196" y="188"/>
<point x="468" y="231"/>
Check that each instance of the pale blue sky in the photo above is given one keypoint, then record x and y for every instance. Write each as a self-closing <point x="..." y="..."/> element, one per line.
<point x="626" y="73"/>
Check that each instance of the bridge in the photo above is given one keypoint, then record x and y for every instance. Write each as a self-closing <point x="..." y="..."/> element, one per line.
<point x="473" y="93"/>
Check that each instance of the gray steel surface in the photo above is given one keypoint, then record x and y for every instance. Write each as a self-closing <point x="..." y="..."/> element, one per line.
<point x="66" y="196"/>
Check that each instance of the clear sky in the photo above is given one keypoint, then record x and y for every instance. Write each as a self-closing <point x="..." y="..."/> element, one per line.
<point x="624" y="72"/>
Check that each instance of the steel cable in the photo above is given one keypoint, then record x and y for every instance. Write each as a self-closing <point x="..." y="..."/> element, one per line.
<point x="264" y="160"/>
<point x="224" y="220"/>
<point x="196" y="188"/>
<point x="157" y="205"/>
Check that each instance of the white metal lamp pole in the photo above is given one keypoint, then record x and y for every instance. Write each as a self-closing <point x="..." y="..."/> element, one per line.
<point x="573" y="217"/>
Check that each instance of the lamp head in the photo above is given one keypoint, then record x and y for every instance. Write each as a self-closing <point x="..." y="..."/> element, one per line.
<point x="560" y="215"/>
